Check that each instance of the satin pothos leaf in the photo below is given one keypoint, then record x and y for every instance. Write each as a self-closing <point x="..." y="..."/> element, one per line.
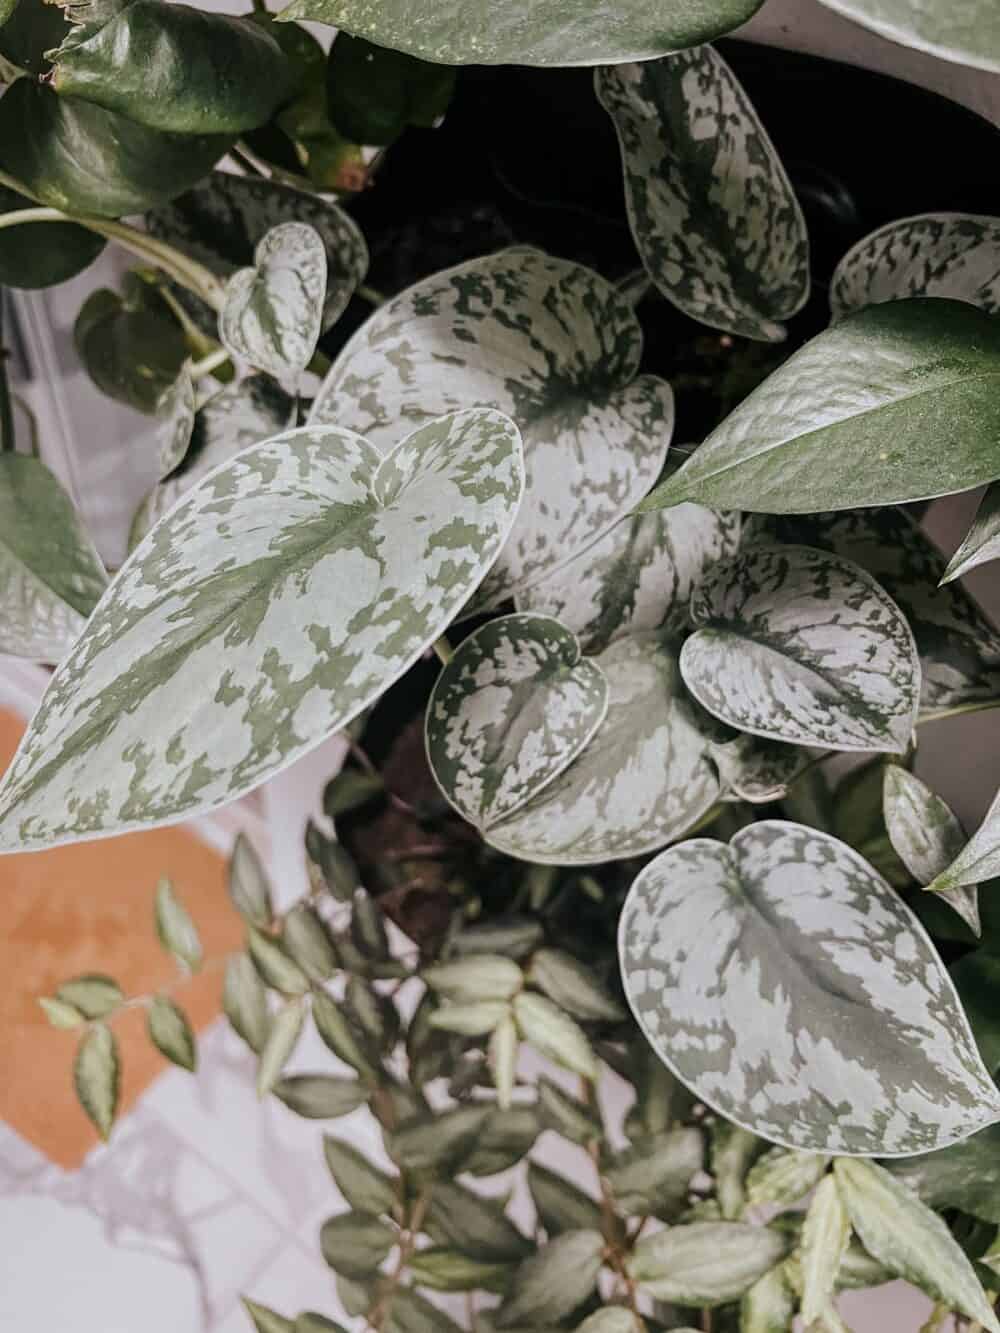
<point x="964" y="31"/>
<point x="550" y="343"/>
<point x="81" y="158"/>
<point x="638" y="577"/>
<point x="273" y="311"/>
<point x="51" y="577"/>
<point x="793" y="990"/>
<point x="934" y="254"/>
<point x="130" y="345"/>
<point x="799" y="645"/>
<point x="282" y="596"/>
<point x="856" y="417"/>
<point x="712" y="212"/>
<point x="511" y="710"/>
<point x="982" y="542"/>
<point x="225" y="217"/>
<point x="959" y="647"/>
<point x="573" y="32"/>
<point x="644" y="779"/>
<point x="43" y="253"/>
<point x="979" y="859"/>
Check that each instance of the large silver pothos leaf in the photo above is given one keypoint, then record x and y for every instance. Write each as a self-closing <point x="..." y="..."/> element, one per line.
<point x="965" y="31"/>
<point x="271" y="606"/>
<point x="640" y="576"/>
<point x="244" y="413"/>
<point x="799" y="645"/>
<point x="982" y="542"/>
<point x="51" y="577"/>
<point x="513" y="708"/>
<point x="959" y="647"/>
<point x="644" y="779"/>
<point x="794" y="991"/>
<point x="714" y="216"/>
<point x="550" y="343"/>
<point x="933" y="254"/>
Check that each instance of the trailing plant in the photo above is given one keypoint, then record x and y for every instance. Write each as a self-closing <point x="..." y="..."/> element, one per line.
<point x="605" y="827"/>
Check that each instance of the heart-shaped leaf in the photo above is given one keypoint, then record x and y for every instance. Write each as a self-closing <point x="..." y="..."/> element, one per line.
<point x="982" y="542"/>
<point x="130" y="344"/>
<point x="272" y="314"/>
<point x="505" y="32"/>
<point x="934" y="254"/>
<point x="272" y="605"/>
<point x="550" y="343"/>
<point x="965" y="31"/>
<point x="640" y="576"/>
<point x="644" y="779"/>
<point x="51" y="578"/>
<point x="794" y="991"/>
<point x="43" y="253"/>
<point x="713" y="214"/>
<point x="802" y="646"/>
<point x="979" y="860"/>
<point x="510" y="711"/>
<point x="857" y="417"/>
<point x="959" y="648"/>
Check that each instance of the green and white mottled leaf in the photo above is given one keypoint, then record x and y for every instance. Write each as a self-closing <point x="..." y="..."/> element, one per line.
<point x="982" y="542"/>
<point x="734" y="1150"/>
<point x="705" y="1263"/>
<point x="783" y="1176"/>
<point x="926" y="836"/>
<point x="910" y="1239"/>
<point x="244" y="1002"/>
<point x="273" y="605"/>
<point x="51" y="577"/>
<point x="174" y="927"/>
<point x="549" y="1285"/>
<point x="801" y="646"/>
<point x="554" y="346"/>
<point x="502" y="1053"/>
<point x="769" y="1306"/>
<point x="712" y="212"/>
<point x="965" y="1176"/>
<point x="654" y="1175"/>
<point x="964" y="31"/>
<point x="171" y="1033"/>
<point x="97" y="1077"/>
<point x="470" y="1020"/>
<point x="638" y="577"/>
<point x="573" y="32"/>
<point x="561" y="1205"/>
<point x="645" y="778"/>
<point x="272" y="312"/>
<point x="511" y="710"/>
<point x="934" y="254"/>
<point x="471" y="980"/>
<point x="825" y="1236"/>
<point x="858" y="417"/>
<point x="281" y="1040"/>
<point x="979" y="859"/>
<point x="793" y="991"/>
<point x="554" y="1034"/>
<point x="573" y="986"/>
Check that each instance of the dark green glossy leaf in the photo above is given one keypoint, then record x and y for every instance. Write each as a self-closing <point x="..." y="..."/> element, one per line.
<point x="653" y="1176"/>
<point x="7" y="8"/>
<point x="374" y="93"/>
<point x="33" y="28"/>
<point x="130" y="346"/>
<point x="977" y="980"/>
<point x="363" y="1185"/>
<point x="460" y="1218"/>
<point x="561" y="1205"/>
<point x="506" y="1137"/>
<point x="43" y="253"/>
<point x="966" y="1175"/>
<point x="437" y="1143"/>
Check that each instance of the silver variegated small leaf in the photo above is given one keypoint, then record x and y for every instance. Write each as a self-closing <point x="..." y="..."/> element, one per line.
<point x="51" y="577"/>
<point x="638" y="577"/>
<point x="281" y="1040"/>
<point x="979" y="859"/>
<point x="552" y="1283"/>
<point x="801" y="646"/>
<point x="926" y="835"/>
<point x="176" y="413"/>
<point x="769" y="1306"/>
<point x="825" y="1236"/>
<point x="794" y="991"/>
<point x="705" y="1263"/>
<point x="783" y="1176"/>
<point x="512" y="709"/>
<point x="933" y="254"/>
<point x="982" y="542"/>
<point x="272" y="313"/>
<point x="713" y="214"/>
<point x="174" y="927"/>
<point x="964" y="31"/>
<point x="281" y="597"/>
<point x="644" y="779"/>
<point x="554" y="1034"/>
<point x="544" y="340"/>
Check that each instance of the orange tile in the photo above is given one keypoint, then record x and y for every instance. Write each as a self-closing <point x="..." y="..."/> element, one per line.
<point x="90" y="909"/>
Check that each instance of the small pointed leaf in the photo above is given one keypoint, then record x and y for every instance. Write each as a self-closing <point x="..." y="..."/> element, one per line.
<point x="981" y="543"/>
<point x="321" y="1096"/>
<point x="282" y="1038"/>
<point x="573" y="987"/>
<point x="825" y="1236"/>
<point x="470" y="1020"/>
<point x="926" y="836"/>
<point x="266" y="1320"/>
<point x="59" y="1013"/>
<point x="442" y="1269"/>
<point x="481" y="977"/>
<point x="341" y="1035"/>
<point x="769" y="1306"/>
<point x="364" y="1185"/>
<point x="276" y="967"/>
<point x="502" y="1054"/>
<point x="244" y="1002"/>
<point x="356" y="1243"/>
<point x="705" y="1263"/>
<point x="94" y="995"/>
<point x="307" y="941"/>
<point x="97" y="1077"/>
<point x="174" y="927"/>
<point x="979" y="859"/>
<point x="653" y="1176"/>
<point x="561" y="1205"/>
<point x="170" y="1032"/>
<point x="552" y="1283"/>
<point x="459" y="1218"/>
<point x="553" y="1033"/>
<point x="784" y="1176"/>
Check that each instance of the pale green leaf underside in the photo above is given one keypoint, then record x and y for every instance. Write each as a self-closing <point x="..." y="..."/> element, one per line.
<point x="964" y="31"/>
<point x="860" y="416"/>
<point x="644" y="779"/>
<point x="271" y="606"/>
<point x="502" y="32"/>
<point x="713" y="214"/>
<point x="955" y="255"/>
<point x="555" y="347"/>
<point x="979" y="860"/>
<point x="638" y="577"/>
<point x="793" y="990"/>
<point x="272" y="313"/>
<point x="982" y="542"/>
<point x="510" y="711"/>
<point x="801" y="646"/>
<point x="51" y="578"/>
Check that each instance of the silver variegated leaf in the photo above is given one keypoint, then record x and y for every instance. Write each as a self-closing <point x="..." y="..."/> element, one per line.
<point x="713" y="214"/>
<point x="826" y="1233"/>
<point x="644" y="779"/>
<point x="544" y="340"/>
<point x="705" y="1263"/>
<point x="756" y="770"/>
<point x="176" y="412"/>
<point x="793" y="990"/>
<point x="51" y="577"/>
<point x="959" y="647"/>
<point x="934" y="254"/>
<point x="638" y="577"/>
<point x="979" y="859"/>
<point x="512" y="709"/>
<point x="269" y="608"/>
<point x="965" y="31"/>
<point x="272" y="313"/>
<point x="801" y="646"/>
<point x="982" y="542"/>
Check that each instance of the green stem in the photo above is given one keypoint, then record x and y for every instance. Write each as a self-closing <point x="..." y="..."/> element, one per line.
<point x="6" y="407"/>
<point x="370" y="294"/>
